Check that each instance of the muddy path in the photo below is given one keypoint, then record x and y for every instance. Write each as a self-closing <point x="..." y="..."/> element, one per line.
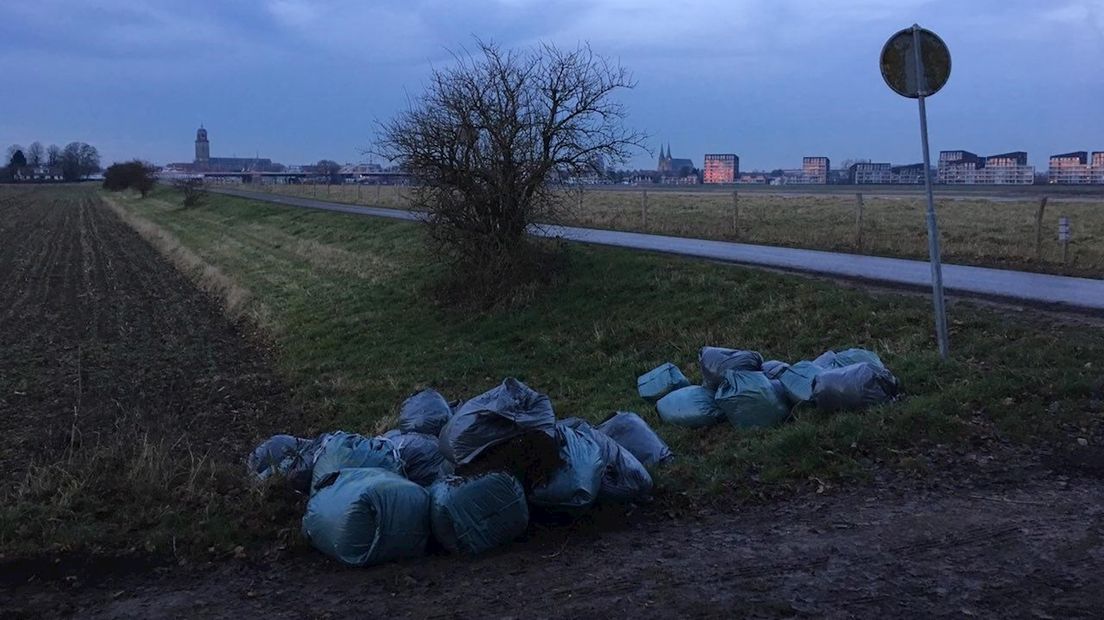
<point x="1027" y="546"/>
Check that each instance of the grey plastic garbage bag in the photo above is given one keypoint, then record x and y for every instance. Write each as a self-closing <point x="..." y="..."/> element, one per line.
<point x="839" y="359"/>
<point x="798" y="381"/>
<point x="692" y="407"/>
<point x="854" y="387"/>
<point x="749" y="400"/>
<point x="659" y="382"/>
<point x="774" y="368"/>
<point x="421" y="457"/>
<point x="577" y="482"/>
<point x="495" y="416"/>
<point x="424" y="412"/>
<point x="716" y="361"/>
<point x="625" y="479"/>
<point x="368" y="516"/>
<point x="473" y="515"/>
<point x="633" y="433"/>
<point x="343" y="450"/>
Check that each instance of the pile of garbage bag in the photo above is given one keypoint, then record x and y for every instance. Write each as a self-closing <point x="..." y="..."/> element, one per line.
<point x="739" y="386"/>
<point x="464" y="474"/>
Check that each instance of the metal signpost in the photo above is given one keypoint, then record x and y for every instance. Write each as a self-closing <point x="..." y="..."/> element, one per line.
<point x="1064" y="237"/>
<point x="915" y="63"/>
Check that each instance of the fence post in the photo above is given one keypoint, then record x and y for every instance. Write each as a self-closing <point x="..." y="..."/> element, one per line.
<point x="1064" y="236"/>
<point x="736" y="214"/>
<point x="358" y="193"/>
<point x="859" y="221"/>
<point x="1039" y="229"/>
<point x="644" y="209"/>
<point x="377" y="193"/>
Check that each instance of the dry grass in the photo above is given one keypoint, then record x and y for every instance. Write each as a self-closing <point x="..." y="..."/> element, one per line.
<point x="979" y="230"/>
<point x="237" y="301"/>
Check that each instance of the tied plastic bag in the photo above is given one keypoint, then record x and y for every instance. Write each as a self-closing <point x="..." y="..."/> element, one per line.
<point x="749" y="400"/>
<point x="631" y="432"/>
<point x="424" y="412"/>
<point x="577" y="482"/>
<point x="625" y="479"/>
<point x="421" y="456"/>
<point x="691" y="407"/>
<point x="834" y="359"/>
<point x="798" y="379"/>
<point x="473" y="515"/>
<point x="495" y="416"/>
<point x="659" y="382"/>
<point x="854" y="387"/>
<point x="774" y="368"/>
<point x="368" y="516"/>
<point x="343" y="450"/>
<point x="716" y="361"/>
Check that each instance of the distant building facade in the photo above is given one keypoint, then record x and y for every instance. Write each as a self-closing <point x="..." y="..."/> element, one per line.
<point x="205" y="163"/>
<point x="1076" y="168"/>
<point x="720" y="168"/>
<point x="966" y="168"/>
<point x="815" y="169"/>
<point x="868" y="173"/>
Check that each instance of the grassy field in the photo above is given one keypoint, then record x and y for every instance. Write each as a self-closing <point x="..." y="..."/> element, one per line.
<point x="974" y="230"/>
<point x="344" y="300"/>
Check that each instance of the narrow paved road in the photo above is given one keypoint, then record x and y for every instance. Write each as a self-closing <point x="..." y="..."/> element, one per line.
<point x="1035" y="288"/>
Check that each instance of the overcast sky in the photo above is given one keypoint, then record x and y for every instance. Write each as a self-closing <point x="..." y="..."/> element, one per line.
<point x="770" y="80"/>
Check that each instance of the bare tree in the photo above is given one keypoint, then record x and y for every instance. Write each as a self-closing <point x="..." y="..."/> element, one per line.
<point x="53" y="156"/>
<point x="36" y="155"/>
<point x="493" y="136"/>
<point x="78" y="160"/>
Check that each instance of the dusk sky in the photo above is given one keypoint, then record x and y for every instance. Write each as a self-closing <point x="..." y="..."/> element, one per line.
<point x="770" y="80"/>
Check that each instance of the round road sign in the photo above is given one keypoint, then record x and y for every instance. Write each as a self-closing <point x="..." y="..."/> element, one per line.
<point x="899" y="60"/>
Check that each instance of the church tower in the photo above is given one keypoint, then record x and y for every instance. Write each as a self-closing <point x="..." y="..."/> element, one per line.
<point x="203" y="147"/>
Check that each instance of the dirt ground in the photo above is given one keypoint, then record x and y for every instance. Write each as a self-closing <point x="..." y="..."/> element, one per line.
<point x="92" y="317"/>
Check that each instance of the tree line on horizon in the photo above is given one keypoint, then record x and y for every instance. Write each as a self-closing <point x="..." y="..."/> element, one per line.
<point x="75" y="162"/>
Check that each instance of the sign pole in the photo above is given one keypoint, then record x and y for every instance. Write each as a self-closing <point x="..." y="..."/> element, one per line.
<point x="933" y="226"/>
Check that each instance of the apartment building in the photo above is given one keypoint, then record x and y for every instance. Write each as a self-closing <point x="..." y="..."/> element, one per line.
<point x="721" y="168"/>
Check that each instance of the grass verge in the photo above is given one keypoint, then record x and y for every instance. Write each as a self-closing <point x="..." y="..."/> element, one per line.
<point x="355" y="333"/>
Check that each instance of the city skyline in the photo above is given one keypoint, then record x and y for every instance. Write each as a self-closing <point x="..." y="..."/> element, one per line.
<point x="301" y="81"/>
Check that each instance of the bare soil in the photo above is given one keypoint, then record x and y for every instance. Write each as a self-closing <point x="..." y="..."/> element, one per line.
<point x="92" y="317"/>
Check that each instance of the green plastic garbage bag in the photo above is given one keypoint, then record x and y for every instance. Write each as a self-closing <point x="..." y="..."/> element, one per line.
<point x="854" y="387"/>
<point x="716" y="361"/>
<point x="748" y="400"/>
<point x="659" y="382"/>
<point x="473" y="515"/>
<point x="798" y="379"/>
<point x="576" y="483"/>
<point x="633" y="433"/>
<point x="343" y="450"/>
<point x="691" y="407"/>
<point x="368" y="516"/>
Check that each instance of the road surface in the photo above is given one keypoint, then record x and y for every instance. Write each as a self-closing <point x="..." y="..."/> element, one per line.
<point x="1083" y="294"/>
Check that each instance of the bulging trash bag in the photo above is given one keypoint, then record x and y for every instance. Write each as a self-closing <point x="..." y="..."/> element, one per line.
<point x="798" y="381"/>
<point x="287" y="456"/>
<point x="497" y="415"/>
<point x="716" y="361"/>
<point x="368" y="516"/>
<point x="625" y="479"/>
<point x="774" y="368"/>
<point x="659" y="382"/>
<point x="749" y="400"/>
<point x="421" y="457"/>
<point x="424" y="412"/>
<point x="839" y="359"/>
<point x="577" y="482"/>
<point x="692" y="407"/>
<point x="343" y="450"/>
<point x="631" y="432"/>
<point x="473" y="515"/>
<point x="854" y="387"/>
